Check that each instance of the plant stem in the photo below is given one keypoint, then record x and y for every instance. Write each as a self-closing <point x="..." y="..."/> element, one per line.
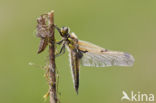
<point x="52" y="65"/>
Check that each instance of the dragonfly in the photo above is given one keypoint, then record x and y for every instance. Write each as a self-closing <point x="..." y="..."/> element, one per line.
<point x="89" y="54"/>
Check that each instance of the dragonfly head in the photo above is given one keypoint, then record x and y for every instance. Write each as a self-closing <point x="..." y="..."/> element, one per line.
<point x="65" y="31"/>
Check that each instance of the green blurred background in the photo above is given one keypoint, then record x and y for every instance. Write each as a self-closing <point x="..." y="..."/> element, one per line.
<point x="123" y="25"/>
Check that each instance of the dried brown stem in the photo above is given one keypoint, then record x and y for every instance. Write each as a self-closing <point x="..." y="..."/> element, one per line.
<point x="52" y="65"/>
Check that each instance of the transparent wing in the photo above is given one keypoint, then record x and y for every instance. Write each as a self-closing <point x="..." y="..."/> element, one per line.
<point x="100" y="57"/>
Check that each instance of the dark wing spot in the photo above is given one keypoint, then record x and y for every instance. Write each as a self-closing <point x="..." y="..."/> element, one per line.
<point x="104" y="50"/>
<point x="83" y="51"/>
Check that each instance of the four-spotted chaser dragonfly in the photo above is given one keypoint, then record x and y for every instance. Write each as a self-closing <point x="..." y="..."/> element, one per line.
<point x="88" y="54"/>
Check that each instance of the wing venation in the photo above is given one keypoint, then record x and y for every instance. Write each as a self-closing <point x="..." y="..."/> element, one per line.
<point x="100" y="57"/>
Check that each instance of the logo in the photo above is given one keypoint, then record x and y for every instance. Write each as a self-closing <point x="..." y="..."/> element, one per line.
<point x="137" y="96"/>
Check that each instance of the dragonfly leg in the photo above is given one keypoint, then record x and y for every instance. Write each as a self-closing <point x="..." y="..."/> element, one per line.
<point x="62" y="51"/>
<point x="58" y="29"/>
<point x="60" y="42"/>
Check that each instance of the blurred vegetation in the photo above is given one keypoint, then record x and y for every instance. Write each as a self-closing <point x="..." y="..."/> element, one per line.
<point x="123" y="25"/>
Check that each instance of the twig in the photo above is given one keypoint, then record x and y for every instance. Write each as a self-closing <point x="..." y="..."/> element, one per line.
<point x="52" y="66"/>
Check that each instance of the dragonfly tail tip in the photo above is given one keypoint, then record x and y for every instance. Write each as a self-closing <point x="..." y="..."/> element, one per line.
<point x="76" y="89"/>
